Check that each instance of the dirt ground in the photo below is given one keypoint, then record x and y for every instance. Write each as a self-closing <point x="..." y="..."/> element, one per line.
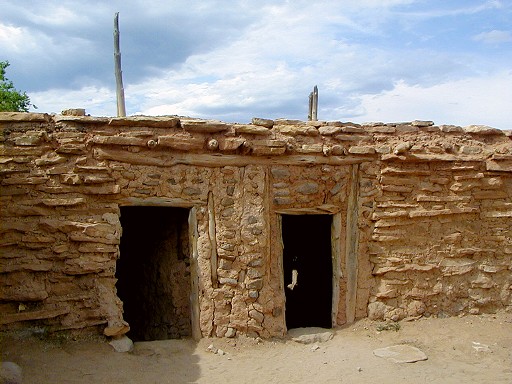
<point x="450" y="344"/>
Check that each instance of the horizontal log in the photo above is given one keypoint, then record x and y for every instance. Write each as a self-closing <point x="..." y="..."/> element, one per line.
<point x="7" y="318"/>
<point x="160" y="202"/>
<point x="421" y="157"/>
<point x="162" y="159"/>
<point x="119" y="140"/>
<point x="322" y="209"/>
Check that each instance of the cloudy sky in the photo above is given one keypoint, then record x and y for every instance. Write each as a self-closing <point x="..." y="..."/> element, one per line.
<point x="373" y="60"/>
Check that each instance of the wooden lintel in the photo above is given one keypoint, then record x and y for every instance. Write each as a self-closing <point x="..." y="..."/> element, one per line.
<point x="160" y="202"/>
<point x="328" y="209"/>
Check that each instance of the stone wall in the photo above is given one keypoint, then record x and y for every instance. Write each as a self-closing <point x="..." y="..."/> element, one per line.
<point x="422" y="216"/>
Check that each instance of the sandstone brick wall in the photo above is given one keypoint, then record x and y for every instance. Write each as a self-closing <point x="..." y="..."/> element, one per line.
<point x="422" y="215"/>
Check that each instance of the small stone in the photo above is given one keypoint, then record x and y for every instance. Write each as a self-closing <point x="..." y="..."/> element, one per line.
<point x="483" y="130"/>
<point x="213" y="144"/>
<point x="315" y="347"/>
<point x="211" y="348"/>
<point x="422" y="123"/>
<point x="359" y="369"/>
<point x="263" y="122"/>
<point x="122" y="344"/>
<point x="73" y="112"/>
<point x="308" y="188"/>
<point x="230" y="333"/>
<point x="256" y="315"/>
<point x="280" y="173"/>
<point x="10" y="373"/>
<point x="451" y="128"/>
<point x="402" y="147"/>
<point x="377" y="310"/>
<point x="361" y="150"/>
<point x="220" y="352"/>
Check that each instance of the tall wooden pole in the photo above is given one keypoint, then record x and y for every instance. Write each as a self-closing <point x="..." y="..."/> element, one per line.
<point x="121" y="109"/>
<point x="313" y="105"/>
<point x="314" y="109"/>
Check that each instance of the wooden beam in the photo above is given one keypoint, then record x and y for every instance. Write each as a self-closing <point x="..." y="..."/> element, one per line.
<point x="336" y="250"/>
<point x="324" y="209"/>
<point x="314" y="107"/>
<point x="194" y="275"/>
<point x="167" y="159"/>
<point x="352" y="244"/>
<point x="213" y="239"/>
<point x="160" y="202"/>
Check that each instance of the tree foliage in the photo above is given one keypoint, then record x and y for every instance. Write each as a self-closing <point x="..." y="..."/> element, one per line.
<point x="11" y="100"/>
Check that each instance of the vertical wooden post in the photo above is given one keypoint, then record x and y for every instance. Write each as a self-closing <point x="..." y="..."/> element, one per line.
<point x="313" y="105"/>
<point x="336" y="265"/>
<point x="212" y="233"/>
<point x="314" y="109"/>
<point x="352" y="244"/>
<point x="193" y="236"/>
<point x="121" y="109"/>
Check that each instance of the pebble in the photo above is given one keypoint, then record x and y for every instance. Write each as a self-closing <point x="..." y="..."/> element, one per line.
<point x="479" y="347"/>
<point x="10" y="373"/>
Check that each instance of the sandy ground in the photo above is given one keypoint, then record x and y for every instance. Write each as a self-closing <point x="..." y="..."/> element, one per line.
<point x="347" y="358"/>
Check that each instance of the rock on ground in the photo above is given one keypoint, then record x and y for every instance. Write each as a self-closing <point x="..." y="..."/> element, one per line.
<point x="122" y="344"/>
<point x="401" y="353"/>
<point x="10" y="373"/>
<point x="310" y="335"/>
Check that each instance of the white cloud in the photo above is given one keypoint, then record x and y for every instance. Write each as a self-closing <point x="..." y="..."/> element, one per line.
<point x="494" y="37"/>
<point x="233" y="60"/>
<point x="456" y="11"/>
<point x="13" y="39"/>
<point x="98" y="101"/>
<point x="476" y="100"/>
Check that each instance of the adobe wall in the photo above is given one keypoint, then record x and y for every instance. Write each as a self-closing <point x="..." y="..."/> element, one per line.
<point x="422" y="216"/>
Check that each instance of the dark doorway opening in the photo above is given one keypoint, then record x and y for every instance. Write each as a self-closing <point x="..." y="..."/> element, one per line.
<point x="307" y="249"/>
<point x="153" y="272"/>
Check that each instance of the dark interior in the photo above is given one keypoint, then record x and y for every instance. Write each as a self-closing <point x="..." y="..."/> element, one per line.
<point x="307" y="248"/>
<point x="153" y="272"/>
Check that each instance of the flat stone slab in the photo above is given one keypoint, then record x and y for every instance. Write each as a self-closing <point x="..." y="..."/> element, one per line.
<point x="310" y="335"/>
<point x="401" y="353"/>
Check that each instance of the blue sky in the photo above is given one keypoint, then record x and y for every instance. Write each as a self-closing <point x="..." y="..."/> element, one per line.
<point x="387" y="60"/>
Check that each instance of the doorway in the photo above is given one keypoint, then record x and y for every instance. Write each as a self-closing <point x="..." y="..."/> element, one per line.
<point x="307" y="250"/>
<point x="153" y="272"/>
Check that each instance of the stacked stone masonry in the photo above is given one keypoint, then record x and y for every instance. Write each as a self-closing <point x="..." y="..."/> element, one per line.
<point x="423" y="216"/>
